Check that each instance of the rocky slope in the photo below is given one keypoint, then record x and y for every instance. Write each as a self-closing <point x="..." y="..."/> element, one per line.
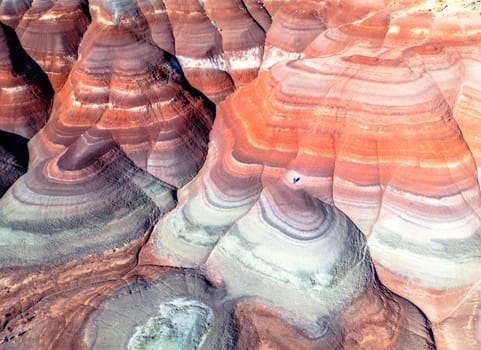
<point x="240" y="174"/>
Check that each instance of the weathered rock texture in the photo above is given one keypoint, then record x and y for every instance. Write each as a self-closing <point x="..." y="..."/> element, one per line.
<point x="240" y="174"/>
<point x="51" y="32"/>
<point x="25" y="91"/>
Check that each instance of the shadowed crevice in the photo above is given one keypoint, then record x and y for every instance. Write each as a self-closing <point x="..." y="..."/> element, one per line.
<point x="13" y="159"/>
<point x="24" y="65"/>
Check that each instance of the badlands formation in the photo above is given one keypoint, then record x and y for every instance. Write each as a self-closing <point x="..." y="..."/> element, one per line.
<point x="240" y="174"/>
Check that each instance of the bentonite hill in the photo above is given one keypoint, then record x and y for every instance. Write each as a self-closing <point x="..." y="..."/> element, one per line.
<point x="240" y="174"/>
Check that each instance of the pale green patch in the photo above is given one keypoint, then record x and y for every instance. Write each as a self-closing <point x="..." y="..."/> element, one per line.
<point x="179" y="324"/>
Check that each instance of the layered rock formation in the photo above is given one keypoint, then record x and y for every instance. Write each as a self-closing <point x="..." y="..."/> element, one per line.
<point x="127" y="203"/>
<point x="51" y="32"/>
<point x="375" y="130"/>
<point x="145" y="103"/>
<point x="218" y="46"/>
<point x="240" y="174"/>
<point x="222" y="49"/>
<point x="25" y="91"/>
<point x="11" y="11"/>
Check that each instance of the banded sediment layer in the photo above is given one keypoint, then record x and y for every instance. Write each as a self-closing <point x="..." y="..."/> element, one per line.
<point x="240" y="174"/>
<point x="26" y="93"/>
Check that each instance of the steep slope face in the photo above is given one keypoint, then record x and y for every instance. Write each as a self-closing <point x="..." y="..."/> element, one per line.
<point x="369" y="116"/>
<point x="219" y="45"/>
<point x="25" y="91"/>
<point x="125" y="84"/>
<point x="222" y="49"/>
<point x="11" y="11"/>
<point x="347" y="308"/>
<point x="104" y="201"/>
<point x="333" y="203"/>
<point x="50" y="32"/>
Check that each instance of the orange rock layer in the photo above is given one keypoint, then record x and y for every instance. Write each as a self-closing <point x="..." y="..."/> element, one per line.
<point x="50" y="32"/>
<point x="25" y="91"/>
<point x="240" y="174"/>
